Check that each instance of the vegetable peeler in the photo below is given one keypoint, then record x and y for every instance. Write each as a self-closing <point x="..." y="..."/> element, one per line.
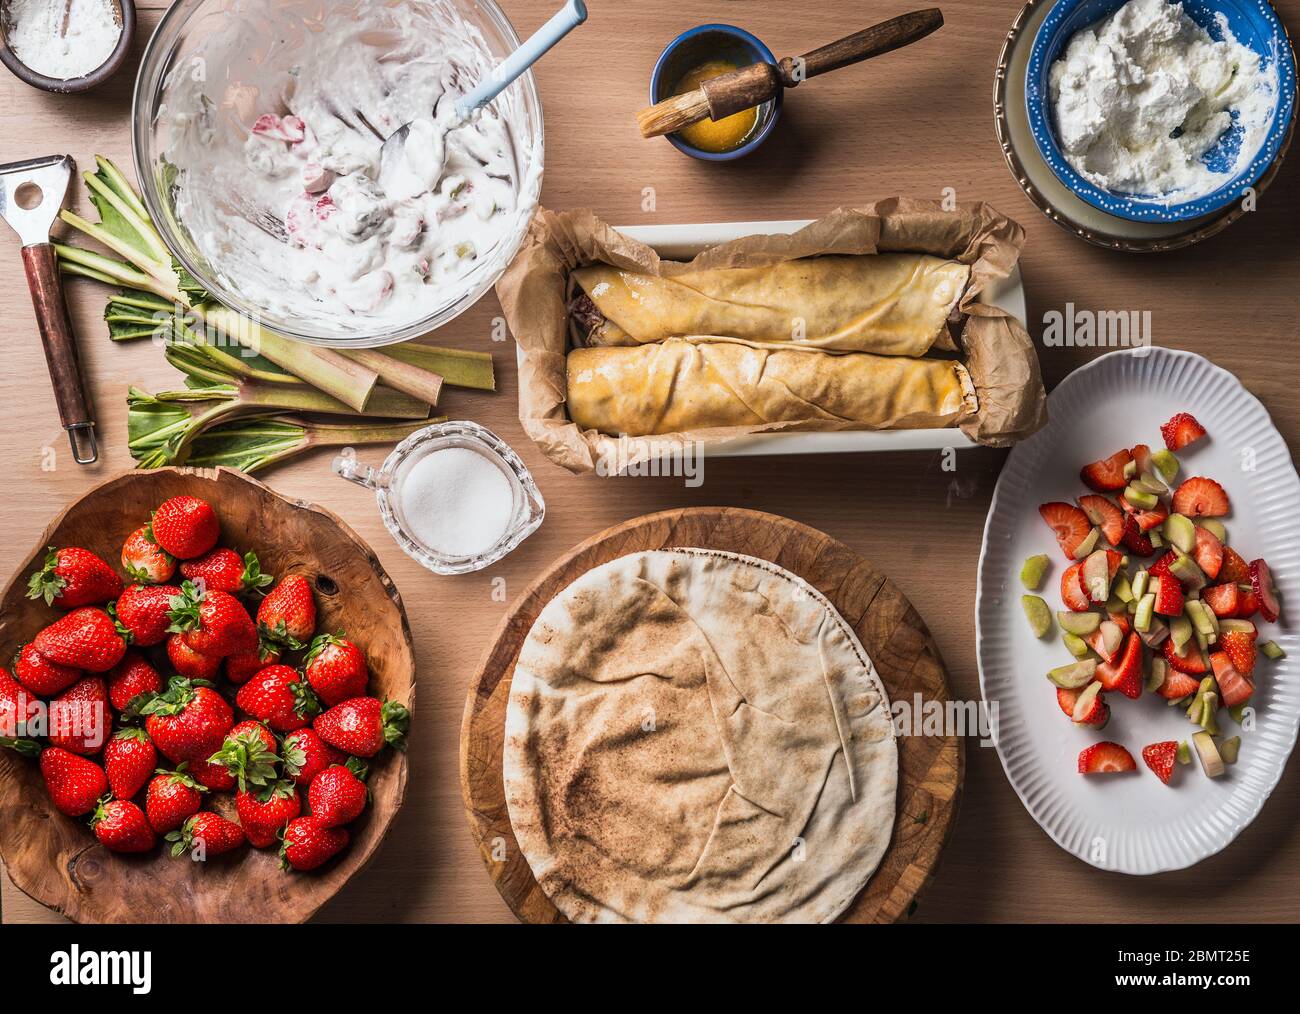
<point x="31" y="195"/>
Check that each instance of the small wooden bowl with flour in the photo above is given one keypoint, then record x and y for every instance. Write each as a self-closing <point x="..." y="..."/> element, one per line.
<point x="65" y="46"/>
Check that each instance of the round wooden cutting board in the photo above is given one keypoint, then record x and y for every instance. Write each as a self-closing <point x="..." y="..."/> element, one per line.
<point x="894" y="635"/>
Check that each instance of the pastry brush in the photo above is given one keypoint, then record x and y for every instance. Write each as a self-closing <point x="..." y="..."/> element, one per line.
<point x="751" y="86"/>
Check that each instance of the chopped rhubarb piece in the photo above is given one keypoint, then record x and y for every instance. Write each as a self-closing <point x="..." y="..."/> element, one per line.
<point x="1107" y="475"/>
<point x="1105" y="758"/>
<point x="1180" y="431"/>
<point x="1199" y="497"/>
<point x="1070" y="525"/>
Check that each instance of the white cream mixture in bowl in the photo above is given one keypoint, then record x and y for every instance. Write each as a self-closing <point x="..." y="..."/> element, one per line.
<point x="258" y="131"/>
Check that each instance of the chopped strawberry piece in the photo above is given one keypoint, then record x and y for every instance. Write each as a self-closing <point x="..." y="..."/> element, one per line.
<point x="1103" y="513"/>
<point x="1234" y="567"/>
<point x="1134" y="539"/>
<point x="1065" y="700"/>
<point x="1208" y="553"/>
<point x="1239" y="646"/>
<point x="1177" y="685"/>
<point x="1097" y="642"/>
<point x="1126" y="674"/>
<point x="1261" y="583"/>
<point x="1098" y="715"/>
<point x="1190" y="661"/>
<point x="1180" y="431"/>
<point x="1199" y="497"/>
<point x="280" y="128"/>
<point x="1105" y="758"/>
<point x="1161" y="758"/>
<point x="1161" y="567"/>
<point x="1073" y="594"/>
<point x="1070" y="525"/>
<point x="1107" y="475"/>
<point x="1223" y="599"/>
<point x="1120" y="620"/>
<point x="1169" y="596"/>
<point x="1147" y="520"/>
<point x="1142" y="458"/>
<point x="1234" y="687"/>
<point x="1248" y="603"/>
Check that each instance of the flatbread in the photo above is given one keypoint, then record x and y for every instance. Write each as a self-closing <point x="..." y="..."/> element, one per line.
<point x="696" y="736"/>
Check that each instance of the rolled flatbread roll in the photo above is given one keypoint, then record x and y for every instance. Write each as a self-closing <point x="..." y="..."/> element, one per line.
<point x="889" y="304"/>
<point x="676" y="386"/>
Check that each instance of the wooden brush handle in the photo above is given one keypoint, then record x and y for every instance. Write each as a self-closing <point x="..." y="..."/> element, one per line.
<point x="60" y="350"/>
<point x="888" y="35"/>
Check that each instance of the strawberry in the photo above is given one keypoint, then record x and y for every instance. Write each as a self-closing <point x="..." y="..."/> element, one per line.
<point x="248" y="755"/>
<point x="1180" y="431"/>
<point x="189" y="721"/>
<point x="85" y="638"/>
<point x="1105" y="758"/>
<point x="1247" y="603"/>
<point x="190" y="663"/>
<point x="336" y="669"/>
<point x="206" y="834"/>
<point x="1169" y="595"/>
<point x="129" y="760"/>
<point x="1208" y="553"/>
<point x="1177" y="685"/>
<point x="173" y="797"/>
<point x="1161" y="757"/>
<point x="1234" y="687"/>
<point x="80" y="718"/>
<point x="263" y="812"/>
<point x="1070" y="525"/>
<point x="130" y="678"/>
<point x="1126" y="674"/>
<point x="362" y="726"/>
<point x="1098" y="715"/>
<point x="1161" y="567"/>
<point x="1239" y="646"/>
<point x="287" y="616"/>
<point x="309" y="844"/>
<point x="213" y="777"/>
<point x="144" y="560"/>
<point x="74" y="783"/>
<point x="1107" y="475"/>
<point x="338" y="795"/>
<point x="280" y="697"/>
<point x="1147" y="520"/>
<point x="41" y="676"/>
<point x="1261" y="583"/>
<point x="1234" y="569"/>
<point x="241" y="668"/>
<point x="18" y="705"/>
<point x="1142" y="459"/>
<point x="1189" y="662"/>
<point x="121" y="827"/>
<point x="1134" y="539"/>
<point x="1103" y="513"/>
<point x="1223" y="599"/>
<point x="144" y="610"/>
<point x="306" y="755"/>
<point x="214" y="623"/>
<point x="1121" y="620"/>
<point x="74" y="577"/>
<point x="185" y="526"/>
<point x="223" y="570"/>
<point x="1097" y="642"/>
<point x="1199" y="497"/>
<point x="1073" y="593"/>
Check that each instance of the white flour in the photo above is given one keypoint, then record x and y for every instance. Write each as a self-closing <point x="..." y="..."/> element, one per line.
<point x="1141" y="96"/>
<point x="34" y="29"/>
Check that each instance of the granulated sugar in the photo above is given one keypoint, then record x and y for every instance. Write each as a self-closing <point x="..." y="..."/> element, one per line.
<point x="456" y="501"/>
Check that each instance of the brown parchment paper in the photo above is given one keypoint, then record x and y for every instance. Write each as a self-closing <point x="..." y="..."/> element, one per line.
<point x="995" y="347"/>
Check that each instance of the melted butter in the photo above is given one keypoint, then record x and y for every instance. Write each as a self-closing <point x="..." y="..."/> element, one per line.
<point x="725" y="134"/>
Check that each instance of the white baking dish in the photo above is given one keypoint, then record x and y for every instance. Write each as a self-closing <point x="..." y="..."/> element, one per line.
<point x="682" y="242"/>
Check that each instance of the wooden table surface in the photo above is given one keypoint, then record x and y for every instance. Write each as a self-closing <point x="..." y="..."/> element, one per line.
<point x="914" y="123"/>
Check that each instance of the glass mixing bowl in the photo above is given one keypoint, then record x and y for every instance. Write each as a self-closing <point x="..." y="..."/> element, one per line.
<point x="176" y="59"/>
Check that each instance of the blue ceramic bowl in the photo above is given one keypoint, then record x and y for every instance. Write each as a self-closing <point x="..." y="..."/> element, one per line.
<point x="1255" y="25"/>
<point x="713" y="42"/>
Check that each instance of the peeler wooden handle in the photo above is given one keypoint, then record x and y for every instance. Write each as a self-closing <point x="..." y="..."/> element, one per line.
<point x="888" y="35"/>
<point x="60" y="350"/>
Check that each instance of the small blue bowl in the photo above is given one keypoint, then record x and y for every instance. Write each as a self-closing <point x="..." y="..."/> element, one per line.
<point x="713" y="42"/>
<point x="1255" y="25"/>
